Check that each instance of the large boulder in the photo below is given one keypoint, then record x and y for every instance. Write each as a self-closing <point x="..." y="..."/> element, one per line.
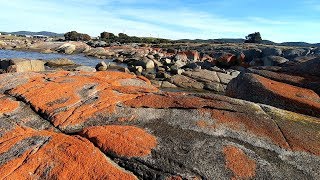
<point x="229" y="59"/>
<point x="181" y="57"/>
<point x="255" y="88"/>
<point x="192" y="55"/>
<point x="66" y="48"/>
<point x="59" y="62"/>
<point x="111" y="125"/>
<point x="21" y="65"/>
<point x="309" y="82"/>
<point x="252" y="54"/>
<point x="310" y="67"/>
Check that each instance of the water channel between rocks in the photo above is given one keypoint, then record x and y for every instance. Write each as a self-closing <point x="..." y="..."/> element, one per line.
<point x="80" y="59"/>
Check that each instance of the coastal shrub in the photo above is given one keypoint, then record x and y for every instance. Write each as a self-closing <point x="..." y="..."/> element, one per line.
<point x="108" y="37"/>
<point x="75" y="36"/>
<point x="254" y="38"/>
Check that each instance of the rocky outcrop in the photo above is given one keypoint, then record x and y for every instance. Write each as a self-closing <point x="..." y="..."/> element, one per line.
<point x="21" y="65"/>
<point x="111" y="125"/>
<point x="258" y="89"/>
<point x="204" y="79"/>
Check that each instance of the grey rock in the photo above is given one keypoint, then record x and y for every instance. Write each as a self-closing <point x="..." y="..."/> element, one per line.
<point x="66" y="48"/>
<point x="59" y="62"/>
<point x="251" y="54"/>
<point x="186" y="82"/>
<point x="271" y="52"/>
<point x="21" y="65"/>
<point x="273" y="60"/>
<point x="85" y="69"/>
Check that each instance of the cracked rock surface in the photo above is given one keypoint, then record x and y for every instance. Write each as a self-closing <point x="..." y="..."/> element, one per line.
<point x="112" y="125"/>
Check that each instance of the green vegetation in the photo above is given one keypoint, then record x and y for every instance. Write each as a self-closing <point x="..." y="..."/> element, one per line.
<point x="75" y="36"/>
<point x="253" y="38"/>
<point x="124" y="38"/>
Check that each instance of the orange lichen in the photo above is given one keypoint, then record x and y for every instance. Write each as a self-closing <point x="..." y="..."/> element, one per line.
<point x="128" y="141"/>
<point x="244" y="122"/>
<point x="60" y="157"/>
<point x="166" y="101"/>
<point x="70" y="98"/>
<point x="7" y="105"/>
<point x="239" y="163"/>
<point x="305" y="99"/>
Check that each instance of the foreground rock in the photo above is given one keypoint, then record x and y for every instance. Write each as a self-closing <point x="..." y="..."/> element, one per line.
<point x="88" y="125"/>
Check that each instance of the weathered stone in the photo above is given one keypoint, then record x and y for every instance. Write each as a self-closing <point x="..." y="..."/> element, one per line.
<point x="186" y="82"/>
<point x="21" y="65"/>
<point x="66" y="48"/>
<point x="59" y="62"/>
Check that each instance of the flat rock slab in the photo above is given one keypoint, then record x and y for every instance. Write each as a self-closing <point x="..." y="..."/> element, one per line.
<point x="112" y="125"/>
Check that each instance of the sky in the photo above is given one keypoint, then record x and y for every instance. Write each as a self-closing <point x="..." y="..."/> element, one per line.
<point x="276" y="20"/>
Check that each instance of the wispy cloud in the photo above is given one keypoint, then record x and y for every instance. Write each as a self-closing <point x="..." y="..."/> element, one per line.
<point x="173" y="19"/>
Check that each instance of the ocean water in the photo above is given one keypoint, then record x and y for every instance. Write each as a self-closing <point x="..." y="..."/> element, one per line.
<point x="77" y="58"/>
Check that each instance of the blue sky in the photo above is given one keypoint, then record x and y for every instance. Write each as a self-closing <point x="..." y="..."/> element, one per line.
<point x="277" y="20"/>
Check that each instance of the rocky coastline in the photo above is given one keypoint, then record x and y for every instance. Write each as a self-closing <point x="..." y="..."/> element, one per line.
<point x="175" y="111"/>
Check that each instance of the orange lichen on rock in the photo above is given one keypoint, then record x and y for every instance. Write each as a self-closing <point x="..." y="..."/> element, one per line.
<point x="167" y="101"/>
<point x="239" y="163"/>
<point x="7" y="105"/>
<point x="304" y="98"/>
<point x="70" y="98"/>
<point x="128" y="141"/>
<point x="49" y="155"/>
<point x="242" y="122"/>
